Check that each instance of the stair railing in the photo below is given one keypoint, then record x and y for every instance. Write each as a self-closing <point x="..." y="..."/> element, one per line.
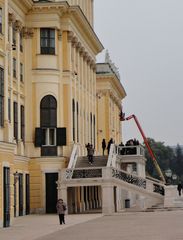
<point x="74" y="156"/>
<point x="112" y="156"/>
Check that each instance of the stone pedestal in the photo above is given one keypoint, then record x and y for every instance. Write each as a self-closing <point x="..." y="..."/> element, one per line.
<point x="107" y="199"/>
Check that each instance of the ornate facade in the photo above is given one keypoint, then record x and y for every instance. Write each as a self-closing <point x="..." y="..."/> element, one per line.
<point x="47" y="98"/>
<point x="110" y="93"/>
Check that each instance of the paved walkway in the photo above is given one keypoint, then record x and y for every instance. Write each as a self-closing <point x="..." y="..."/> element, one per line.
<point x="31" y="227"/>
<point x="159" y="225"/>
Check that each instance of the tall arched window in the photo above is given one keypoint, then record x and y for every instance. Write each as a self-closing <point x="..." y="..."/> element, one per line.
<point x="48" y="136"/>
<point x="91" y="128"/>
<point x="73" y="119"/>
<point x="77" y="108"/>
<point x="48" y="120"/>
<point x="48" y="112"/>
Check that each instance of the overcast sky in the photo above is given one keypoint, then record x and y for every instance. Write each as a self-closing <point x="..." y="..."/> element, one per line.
<point x="145" y="41"/>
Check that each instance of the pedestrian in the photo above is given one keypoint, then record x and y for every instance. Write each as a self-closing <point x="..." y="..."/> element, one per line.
<point x="109" y="145"/>
<point x="61" y="208"/>
<point x="121" y="148"/>
<point x="90" y="154"/>
<point x="87" y="147"/>
<point x="103" y="145"/>
<point x="179" y="188"/>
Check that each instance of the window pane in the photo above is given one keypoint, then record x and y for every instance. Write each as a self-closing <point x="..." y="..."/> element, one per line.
<point x="44" y="42"/>
<point x="44" y="32"/>
<point x="52" y="33"/>
<point x="52" y="43"/>
<point x="52" y="136"/>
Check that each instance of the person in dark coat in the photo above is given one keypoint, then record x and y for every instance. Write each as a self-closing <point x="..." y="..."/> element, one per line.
<point x="90" y="154"/>
<point x="103" y="145"/>
<point x="179" y="188"/>
<point x="109" y="145"/>
<point x="87" y="147"/>
<point x="61" y="208"/>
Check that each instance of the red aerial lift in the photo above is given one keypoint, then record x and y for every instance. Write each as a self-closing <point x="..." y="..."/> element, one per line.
<point x="122" y="118"/>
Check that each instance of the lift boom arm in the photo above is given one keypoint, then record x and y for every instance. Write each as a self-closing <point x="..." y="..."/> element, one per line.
<point x="147" y="145"/>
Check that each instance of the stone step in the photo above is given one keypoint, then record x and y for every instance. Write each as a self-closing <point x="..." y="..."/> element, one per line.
<point x="98" y="161"/>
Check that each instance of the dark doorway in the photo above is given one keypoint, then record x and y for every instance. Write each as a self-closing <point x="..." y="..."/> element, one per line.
<point x="27" y="196"/>
<point x="20" y="194"/>
<point x="6" y="191"/>
<point x="51" y="192"/>
<point x="115" y="199"/>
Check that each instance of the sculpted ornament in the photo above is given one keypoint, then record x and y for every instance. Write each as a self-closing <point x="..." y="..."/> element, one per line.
<point x="11" y="18"/>
<point x="28" y="32"/>
<point x="18" y="25"/>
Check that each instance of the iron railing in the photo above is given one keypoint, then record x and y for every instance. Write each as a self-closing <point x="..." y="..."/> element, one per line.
<point x="83" y="173"/>
<point x="159" y="189"/>
<point x="126" y="177"/>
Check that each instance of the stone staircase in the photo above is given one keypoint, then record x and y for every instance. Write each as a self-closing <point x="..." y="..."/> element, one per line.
<point x="98" y="161"/>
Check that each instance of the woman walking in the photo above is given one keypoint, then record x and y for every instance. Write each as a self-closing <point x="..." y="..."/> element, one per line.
<point x="61" y="208"/>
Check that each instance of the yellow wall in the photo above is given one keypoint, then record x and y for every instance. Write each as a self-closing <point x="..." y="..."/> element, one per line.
<point x="68" y="74"/>
<point x="109" y="102"/>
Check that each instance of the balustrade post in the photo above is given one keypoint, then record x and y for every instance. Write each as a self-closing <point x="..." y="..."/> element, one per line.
<point x="106" y="172"/>
<point x="138" y="150"/>
<point x="149" y="186"/>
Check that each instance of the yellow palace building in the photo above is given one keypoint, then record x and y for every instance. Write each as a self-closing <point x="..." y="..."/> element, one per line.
<point x="50" y="99"/>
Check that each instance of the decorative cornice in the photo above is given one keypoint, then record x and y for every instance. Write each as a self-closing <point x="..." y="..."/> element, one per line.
<point x="114" y="81"/>
<point x="77" y="16"/>
<point x="60" y="7"/>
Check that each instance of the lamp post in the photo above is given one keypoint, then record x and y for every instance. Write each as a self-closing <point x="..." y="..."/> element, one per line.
<point x="174" y="178"/>
<point x="168" y="174"/>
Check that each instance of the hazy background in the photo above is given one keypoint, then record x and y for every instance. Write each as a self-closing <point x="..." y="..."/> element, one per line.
<point x="145" y="41"/>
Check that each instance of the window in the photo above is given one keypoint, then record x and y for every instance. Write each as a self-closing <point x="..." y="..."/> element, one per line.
<point x="48" y="136"/>
<point x="94" y="130"/>
<point x="47" y="38"/>
<point x="15" y="116"/>
<point x="48" y="112"/>
<point x="91" y="129"/>
<point x="1" y="97"/>
<point x="14" y="68"/>
<point x="48" y="124"/>
<point x="14" y="36"/>
<point x="73" y="119"/>
<point x="9" y="109"/>
<point x="48" y="120"/>
<point x="77" y="106"/>
<point x="1" y="20"/>
<point x="22" y="123"/>
<point x="21" y="72"/>
<point x="21" y="41"/>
